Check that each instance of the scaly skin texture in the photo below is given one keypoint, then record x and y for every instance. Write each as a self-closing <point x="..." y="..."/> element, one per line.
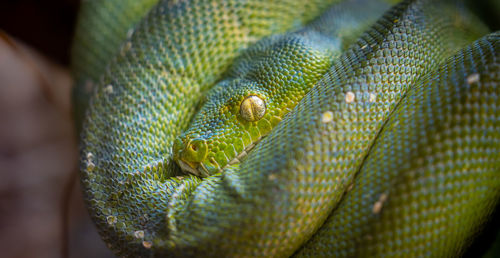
<point x="103" y="23"/>
<point x="434" y="168"/>
<point x="399" y="115"/>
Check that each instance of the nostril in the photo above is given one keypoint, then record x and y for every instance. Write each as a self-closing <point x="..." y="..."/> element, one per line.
<point x="195" y="150"/>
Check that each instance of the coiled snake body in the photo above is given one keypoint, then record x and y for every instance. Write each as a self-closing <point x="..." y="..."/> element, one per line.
<point x="369" y="131"/>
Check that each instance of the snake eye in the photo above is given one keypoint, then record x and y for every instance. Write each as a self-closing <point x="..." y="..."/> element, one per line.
<point x="252" y="108"/>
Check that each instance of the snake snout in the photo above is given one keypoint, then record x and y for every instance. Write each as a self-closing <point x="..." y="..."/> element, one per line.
<point x="189" y="153"/>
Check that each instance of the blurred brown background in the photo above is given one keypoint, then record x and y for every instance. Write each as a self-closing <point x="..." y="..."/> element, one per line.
<point x="38" y="153"/>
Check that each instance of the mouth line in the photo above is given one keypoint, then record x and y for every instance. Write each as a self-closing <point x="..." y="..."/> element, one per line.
<point x="202" y="171"/>
<point x="241" y="155"/>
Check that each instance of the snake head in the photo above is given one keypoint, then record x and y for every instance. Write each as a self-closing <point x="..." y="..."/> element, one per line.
<point x="265" y="84"/>
<point x="233" y="118"/>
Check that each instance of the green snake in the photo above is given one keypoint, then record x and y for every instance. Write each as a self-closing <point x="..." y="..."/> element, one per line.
<point x="320" y="128"/>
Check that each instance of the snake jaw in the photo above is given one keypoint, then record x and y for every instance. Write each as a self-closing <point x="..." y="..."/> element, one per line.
<point x="197" y="169"/>
<point x="202" y="170"/>
<point x="188" y="167"/>
<point x="241" y="155"/>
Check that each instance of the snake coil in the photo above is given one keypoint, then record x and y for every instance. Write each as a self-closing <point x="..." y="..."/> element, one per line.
<point x="394" y="151"/>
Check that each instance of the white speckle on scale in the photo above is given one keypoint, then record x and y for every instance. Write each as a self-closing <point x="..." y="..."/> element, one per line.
<point x="147" y="244"/>
<point x="372" y="97"/>
<point x="130" y="32"/>
<point x="90" y="162"/>
<point x="473" y="78"/>
<point x="349" y="97"/>
<point x="327" y="117"/>
<point x="139" y="234"/>
<point x="111" y="220"/>
<point x="377" y="207"/>
<point x="109" y="89"/>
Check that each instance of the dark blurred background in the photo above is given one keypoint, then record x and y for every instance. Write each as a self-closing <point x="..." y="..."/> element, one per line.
<point x="45" y="25"/>
<point x="41" y="209"/>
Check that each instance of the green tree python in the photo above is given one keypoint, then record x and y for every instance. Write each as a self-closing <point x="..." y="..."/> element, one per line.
<point x="305" y="128"/>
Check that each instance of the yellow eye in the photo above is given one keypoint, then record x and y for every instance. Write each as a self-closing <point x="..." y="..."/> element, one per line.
<point x="252" y="108"/>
